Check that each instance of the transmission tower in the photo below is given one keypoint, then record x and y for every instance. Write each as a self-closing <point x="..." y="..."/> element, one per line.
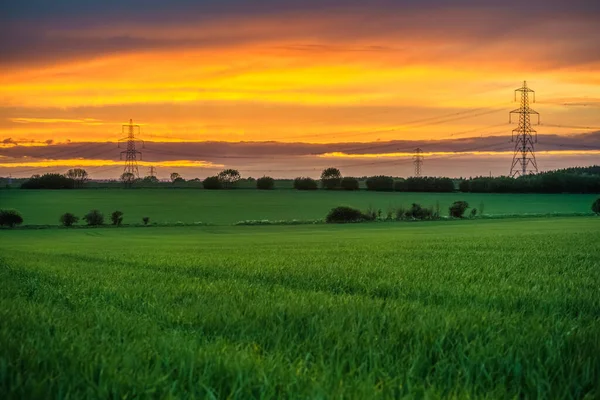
<point x="131" y="154"/>
<point x="418" y="161"/>
<point x="524" y="136"/>
<point x="152" y="171"/>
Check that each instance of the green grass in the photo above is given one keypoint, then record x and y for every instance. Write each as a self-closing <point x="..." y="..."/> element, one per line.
<point x="228" y="207"/>
<point x="488" y="308"/>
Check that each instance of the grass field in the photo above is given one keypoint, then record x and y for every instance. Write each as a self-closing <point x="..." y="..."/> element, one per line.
<point x="496" y="309"/>
<point x="228" y="207"/>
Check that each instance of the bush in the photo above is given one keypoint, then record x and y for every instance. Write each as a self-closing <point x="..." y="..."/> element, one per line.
<point x="349" y="184"/>
<point x="458" y="208"/>
<point x="116" y="218"/>
<point x="146" y="220"/>
<point x="49" y="181"/>
<point x="94" y="218"/>
<point x="265" y="183"/>
<point x="380" y="183"/>
<point x="68" y="219"/>
<point x="344" y="214"/>
<point x="305" y="184"/>
<point x="10" y="218"/>
<point x="473" y="213"/>
<point x="212" y="182"/>
<point x="596" y="206"/>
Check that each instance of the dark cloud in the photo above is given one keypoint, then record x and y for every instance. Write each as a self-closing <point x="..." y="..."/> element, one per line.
<point x="36" y="30"/>
<point x="259" y="152"/>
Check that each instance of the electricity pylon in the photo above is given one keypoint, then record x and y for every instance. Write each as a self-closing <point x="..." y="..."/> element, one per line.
<point x="130" y="171"/>
<point x="152" y="171"/>
<point x="524" y="136"/>
<point x="418" y="161"/>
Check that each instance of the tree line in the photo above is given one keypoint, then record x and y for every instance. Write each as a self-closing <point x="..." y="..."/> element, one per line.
<point x="571" y="180"/>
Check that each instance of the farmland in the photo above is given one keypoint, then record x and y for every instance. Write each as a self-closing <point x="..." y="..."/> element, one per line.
<point x="227" y="207"/>
<point x="485" y="308"/>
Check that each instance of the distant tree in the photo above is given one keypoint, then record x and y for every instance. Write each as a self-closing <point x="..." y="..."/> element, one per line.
<point x="212" y="182"/>
<point x="79" y="175"/>
<point x="127" y="178"/>
<point x="10" y="218"/>
<point x="68" y="219"/>
<point x="229" y="177"/>
<point x="49" y="181"/>
<point x="150" y="179"/>
<point x="348" y="183"/>
<point x="94" y="218"/>
<point x="596" y="206"/>
<point x="380" y="183"/>
<point x="265" y="183"/>
<point x="146" y="220"/>
<point x="305" y="184"/>
<point x="331" y="178"/>
<point x="175" y="176"/>
<point x="116" y="218"/>
<point x="458" y="208"/>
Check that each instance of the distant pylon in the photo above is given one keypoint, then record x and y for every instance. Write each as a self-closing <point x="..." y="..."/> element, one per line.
<point x="418" y="161"/>
<point x="524" y="136"/>
<point x="152" y="171"/>
<point x="131" y="167"/>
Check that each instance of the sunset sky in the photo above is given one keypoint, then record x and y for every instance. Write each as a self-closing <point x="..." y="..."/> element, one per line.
<point x="353" y="84"/>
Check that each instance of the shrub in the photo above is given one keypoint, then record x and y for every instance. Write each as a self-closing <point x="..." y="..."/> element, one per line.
<point x="371" y="214"/>
<point x="265" y="183"/>
<point x="116" y="218"/>
<point x="305" y="184"/>
<point x="596" y="206"/>
<point x="146" y="220"/>
<point x="380" y="183"/>
<point x="331" y="178"/>
<point x="349" y="184"/>
<point x="344" y="214"/>
<point x="68" y="219"/>
<point x="458" y="208"/>
<point x="420" y="213"/>
<point x="481" y="208"/>
<point x="49" y="181"/>
<point x="10" y="218"/>
<point x="212" y="182"/>
<point x="94" y="218"/>
<point x="473" y="213"/>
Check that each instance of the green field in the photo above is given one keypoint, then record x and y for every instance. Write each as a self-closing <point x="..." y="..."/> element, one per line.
<point x="227" y="207"/>
<point x="463" y="309"/>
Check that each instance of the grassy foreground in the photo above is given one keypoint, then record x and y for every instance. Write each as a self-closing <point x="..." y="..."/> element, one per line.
<point x="496" y="309"/>
<point x="41" y="207"/>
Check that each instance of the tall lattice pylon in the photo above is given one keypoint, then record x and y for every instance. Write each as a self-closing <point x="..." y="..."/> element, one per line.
<point x="130" y="171"/>
<point x="524" y="136"/>
<point x="418" y="161"/>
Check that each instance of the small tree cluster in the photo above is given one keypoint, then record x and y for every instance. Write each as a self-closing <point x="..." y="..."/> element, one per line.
<point x="380" y="183"/>
<point x="94" y="218"/>
<point x="79" y="176"/>
<point x="10" y="218"/>
<point x="458" y="208"/>
<point x="305" y="184"/>
<point x="349" y="183"/>
<point x="49" y="181"/>
<point x="68" y="219"/>
<point x="344" y="214"/>
<point x="212" y="183"/>
<point x="229" y="178"/>
<point x="265" y="183"/>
